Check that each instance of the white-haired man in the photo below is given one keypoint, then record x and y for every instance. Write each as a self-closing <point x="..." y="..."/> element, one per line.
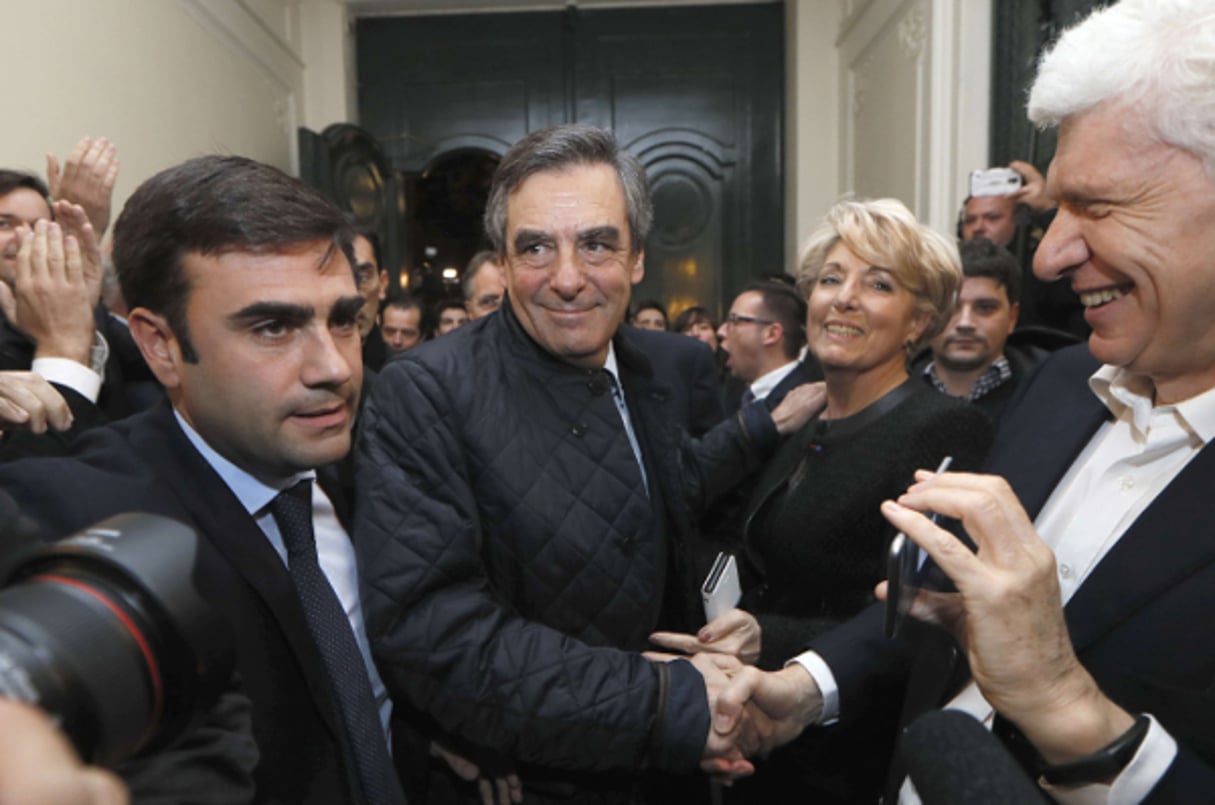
<point x="1085" y="613"/>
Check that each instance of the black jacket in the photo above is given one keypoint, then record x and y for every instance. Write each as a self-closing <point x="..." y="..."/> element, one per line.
<point x="512" y="570"/>
<point x="689" y="366"/>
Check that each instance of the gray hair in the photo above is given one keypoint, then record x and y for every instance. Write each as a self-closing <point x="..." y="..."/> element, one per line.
<point x="472" y="269"/>
<point x="1157" y="56"/>
<point x="559" y="148"/>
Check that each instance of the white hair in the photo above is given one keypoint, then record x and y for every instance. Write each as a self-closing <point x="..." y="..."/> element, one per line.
<point x="1155" y="56"/>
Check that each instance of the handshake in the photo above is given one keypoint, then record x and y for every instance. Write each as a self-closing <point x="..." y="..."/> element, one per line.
<point x="752" y="711"/>
<point x="1006" y="616"/>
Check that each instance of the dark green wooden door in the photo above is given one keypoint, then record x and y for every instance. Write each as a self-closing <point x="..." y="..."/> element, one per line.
<point x="695" y="92"/>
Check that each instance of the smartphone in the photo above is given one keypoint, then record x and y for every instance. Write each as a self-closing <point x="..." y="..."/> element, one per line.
<point x="721" y="591"/>
<point x="903" y="578"/>
<point x="995" y="182"/>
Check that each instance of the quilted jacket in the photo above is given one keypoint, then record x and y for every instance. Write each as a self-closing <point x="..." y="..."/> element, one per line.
<point x="510" y="566"/>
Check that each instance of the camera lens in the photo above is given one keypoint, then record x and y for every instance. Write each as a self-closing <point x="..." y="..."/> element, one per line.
<point x="105" y="632"/>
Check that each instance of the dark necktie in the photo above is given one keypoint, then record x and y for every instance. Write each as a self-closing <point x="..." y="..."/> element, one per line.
<point x="292" y="510"/>
<point x="748" y="397"/>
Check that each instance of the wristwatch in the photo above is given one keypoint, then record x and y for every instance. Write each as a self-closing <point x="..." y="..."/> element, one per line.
<point x="1104" y="764"/>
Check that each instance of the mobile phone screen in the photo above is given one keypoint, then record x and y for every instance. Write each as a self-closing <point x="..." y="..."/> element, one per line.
<point x="903" y="577"/>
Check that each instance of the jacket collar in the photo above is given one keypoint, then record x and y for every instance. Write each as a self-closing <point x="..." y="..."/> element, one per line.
<point x="629" y="357"/>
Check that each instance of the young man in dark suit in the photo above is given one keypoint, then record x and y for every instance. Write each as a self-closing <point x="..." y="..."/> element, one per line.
<point x="764" y="333"/>
<point x="244" y="304"/>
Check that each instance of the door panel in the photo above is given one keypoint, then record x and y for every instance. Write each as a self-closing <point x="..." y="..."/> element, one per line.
<point x="695" y="92"/>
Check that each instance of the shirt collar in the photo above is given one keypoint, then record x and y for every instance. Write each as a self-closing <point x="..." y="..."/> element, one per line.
<point x="1123" y="391"/>
<point x="609" y="363"/>
<point x="764" y="384"/>
<point x="253" y="493"/>
<point x="995" y="375"/>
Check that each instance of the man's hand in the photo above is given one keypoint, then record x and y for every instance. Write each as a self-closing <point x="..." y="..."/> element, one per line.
<point x="724" y="750"/>
<point x="29" y="401"/>
<point x="53" y="303"/>
<point x="76" y="224"/>
<point x="735" y="633"/>
<point x="799" y="406"/>
<point x="1033" y="192"/>
<point x="780" y="703"/>
<point x="87" y="179"/>
<point x="38" y="767"/>
<point x="507" y="789"/>
<point x="724" y="755"/>
<point x="1007" y="613"/>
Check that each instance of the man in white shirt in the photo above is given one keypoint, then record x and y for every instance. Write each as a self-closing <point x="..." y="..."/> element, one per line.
<point x="763" y="334"/>
<point x="1086" y="628"/>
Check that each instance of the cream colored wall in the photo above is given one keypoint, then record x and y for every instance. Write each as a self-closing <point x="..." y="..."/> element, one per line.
<point x="327" y="50"/>
<point x="165" y="80"/>
<point x="890" y="98"/>
<point x="811" y="121"/>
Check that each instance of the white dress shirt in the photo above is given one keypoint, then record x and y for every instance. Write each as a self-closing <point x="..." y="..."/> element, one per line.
<point x="764" y="384"/>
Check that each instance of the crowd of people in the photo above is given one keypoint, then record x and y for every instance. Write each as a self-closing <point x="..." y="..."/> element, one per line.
<point x="463" y="551"/>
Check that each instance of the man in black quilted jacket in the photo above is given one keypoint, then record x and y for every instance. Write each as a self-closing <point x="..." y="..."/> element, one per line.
<point x="526" y="502"/>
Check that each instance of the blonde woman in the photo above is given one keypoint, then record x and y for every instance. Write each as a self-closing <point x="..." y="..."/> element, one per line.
<point x="878" y="286"/>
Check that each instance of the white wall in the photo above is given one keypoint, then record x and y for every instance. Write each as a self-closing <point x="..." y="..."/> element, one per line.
<point x="327" y="50"/>
<point x="812" y="143"/>
<point x="164" y="80"/>
<point x="910" y="106"/>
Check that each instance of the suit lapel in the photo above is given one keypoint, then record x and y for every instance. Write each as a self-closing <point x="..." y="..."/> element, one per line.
<point x="1037" y="447"/>
<point x="1167" y="542"/>
<point x="222" y="520"/>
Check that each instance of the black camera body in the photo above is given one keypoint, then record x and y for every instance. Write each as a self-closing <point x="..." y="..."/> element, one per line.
<point x="106" y="632"/>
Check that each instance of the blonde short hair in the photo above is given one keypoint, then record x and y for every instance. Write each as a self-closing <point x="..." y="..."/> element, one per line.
<point x="883" y="232"/>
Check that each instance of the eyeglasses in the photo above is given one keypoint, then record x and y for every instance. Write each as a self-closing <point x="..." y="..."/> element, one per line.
<point x="737" y="318"/>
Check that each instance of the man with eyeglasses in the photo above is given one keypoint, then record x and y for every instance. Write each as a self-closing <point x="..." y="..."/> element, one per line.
<point x="763" y="334"/>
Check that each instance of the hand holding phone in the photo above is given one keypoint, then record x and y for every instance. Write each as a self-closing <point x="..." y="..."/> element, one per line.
<point x="995" y="182"/>
<point x="903" y="579"/>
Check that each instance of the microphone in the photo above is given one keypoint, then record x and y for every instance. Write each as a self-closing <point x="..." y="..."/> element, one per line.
<point x="954" y="760"/>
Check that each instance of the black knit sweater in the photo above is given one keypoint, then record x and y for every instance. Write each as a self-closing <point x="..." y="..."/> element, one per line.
<point x="815" y="531"/>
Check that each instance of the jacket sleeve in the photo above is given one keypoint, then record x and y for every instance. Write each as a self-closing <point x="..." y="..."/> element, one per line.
<point x="446" y="644"/>
<point x="727" y="454"/>
<point x="1188" y="779"/>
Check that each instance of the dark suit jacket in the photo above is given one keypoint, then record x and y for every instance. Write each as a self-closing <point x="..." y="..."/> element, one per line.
<point x="1141" y="621"/>
<point x="146" y="463"/>
<point x="689" y="368"/>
